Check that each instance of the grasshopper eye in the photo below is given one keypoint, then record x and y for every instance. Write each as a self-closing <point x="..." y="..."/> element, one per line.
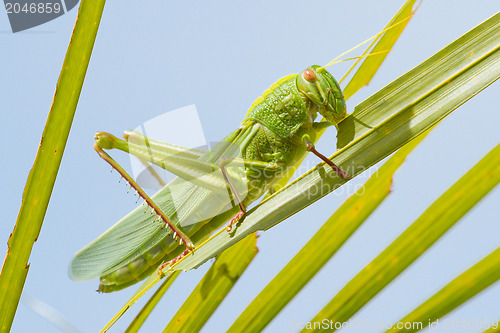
<point x="309" y="75"/>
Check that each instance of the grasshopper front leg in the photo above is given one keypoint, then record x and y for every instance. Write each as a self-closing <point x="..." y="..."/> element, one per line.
<point x="105" y="140"/>
<point x="309" y="146"/>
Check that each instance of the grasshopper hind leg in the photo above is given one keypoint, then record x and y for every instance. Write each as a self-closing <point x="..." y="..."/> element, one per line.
<point x="105" y="140"/>
<point x="173" y="261"/>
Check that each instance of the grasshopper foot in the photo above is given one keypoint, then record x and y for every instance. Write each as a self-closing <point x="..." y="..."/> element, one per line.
<point x="173" y="261"/>
<point x="235" y="220"/>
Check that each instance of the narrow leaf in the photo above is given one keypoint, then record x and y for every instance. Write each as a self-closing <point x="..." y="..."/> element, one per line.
<point x="43" y="174"/>
<point x="370" y="65"/>
<point x="462" y="288"/>
<point x="146" y="310"/>
<point x="415" y="240"/>
<point x="214" y="287"/>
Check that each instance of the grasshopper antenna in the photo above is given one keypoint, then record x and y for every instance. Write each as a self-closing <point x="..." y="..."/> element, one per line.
<point x="374" y="37"/>
<point x="358" y="57"/>
<point x="354" y="65"/>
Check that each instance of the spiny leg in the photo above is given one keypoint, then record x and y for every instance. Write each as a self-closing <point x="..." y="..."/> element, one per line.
<point x="173" y="261"/>
<point x="105" y="141"/>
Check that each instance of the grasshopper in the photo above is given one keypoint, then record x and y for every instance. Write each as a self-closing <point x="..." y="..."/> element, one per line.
<point x="278" y="130"/>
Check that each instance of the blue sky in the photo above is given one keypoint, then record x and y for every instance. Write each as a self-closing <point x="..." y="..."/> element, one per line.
<point x="159" y="56"/>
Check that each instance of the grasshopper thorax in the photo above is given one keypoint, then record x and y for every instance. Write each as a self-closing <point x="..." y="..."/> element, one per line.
<point x="321" y="88"/>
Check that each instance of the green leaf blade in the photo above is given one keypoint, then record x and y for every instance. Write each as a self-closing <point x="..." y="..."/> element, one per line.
<point x="461" y="289"/>
<point x="370" y="65"/>
<point x="214" y="287"/>
<point x="42" y="176"/>
<point x="415" y="240"/>
<point x="146" y="310"/>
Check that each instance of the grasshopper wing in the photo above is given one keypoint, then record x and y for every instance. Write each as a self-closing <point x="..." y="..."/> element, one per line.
<point x="181" y="200"/>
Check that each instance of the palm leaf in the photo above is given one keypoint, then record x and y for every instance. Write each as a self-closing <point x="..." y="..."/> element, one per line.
<point x="462" y="288"/>
<point x="214" y="286"/>
<point x="43" y="174"/>
<point x="379" y="126"/>
<point x="423" y="233"/>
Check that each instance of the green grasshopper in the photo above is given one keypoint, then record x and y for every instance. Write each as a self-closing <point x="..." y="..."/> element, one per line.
<point x="278" y="130"/>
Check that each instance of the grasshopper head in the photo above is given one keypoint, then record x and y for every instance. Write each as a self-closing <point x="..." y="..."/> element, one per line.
<point x="323" y="90"/>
